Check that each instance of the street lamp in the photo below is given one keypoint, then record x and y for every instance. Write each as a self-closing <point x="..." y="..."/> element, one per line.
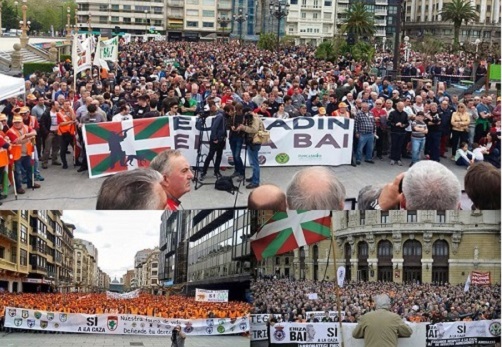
<point x="477" y="42"/>
<point x="75" y="28"/>
<point x="68" y="34"/>
<point x="146" y="24"/>
<point x="89" y="23"/>
<point x="407" y="48"/>
<point x="223" y="22"/>
<point x="240" y="18"/>
<point x="279" y="9"/>
<point x="383" y="43"/>
<point x="25" y="26"/>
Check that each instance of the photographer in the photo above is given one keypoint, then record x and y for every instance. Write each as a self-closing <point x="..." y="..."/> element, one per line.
<point x="433" y="138"/>
<point x="236" y="139"/>
<point x="217" y="140"/>
<point x="178" y="337"/>
<point x="251" y="126"/>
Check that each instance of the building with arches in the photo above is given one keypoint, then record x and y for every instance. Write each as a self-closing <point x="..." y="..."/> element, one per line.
<point x="399" y="246"/>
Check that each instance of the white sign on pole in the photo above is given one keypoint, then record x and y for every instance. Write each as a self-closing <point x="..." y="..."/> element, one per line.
<point x="211" y="295"/>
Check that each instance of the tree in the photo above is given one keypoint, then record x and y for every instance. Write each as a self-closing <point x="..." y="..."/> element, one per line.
<point x="359" y="21"/>
<point x="9" y="20"/>
<point x="458" y="12"/>
<point x="267" y="41"/>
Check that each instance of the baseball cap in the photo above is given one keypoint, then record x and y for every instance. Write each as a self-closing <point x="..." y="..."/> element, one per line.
<point x="17" y="119"/>
<point x="322" y="110"/>
<point x="342" y="104"/>
<point x="24" y="109"/>
<point x="31" y="97"/>
<point x="3" y="117"/>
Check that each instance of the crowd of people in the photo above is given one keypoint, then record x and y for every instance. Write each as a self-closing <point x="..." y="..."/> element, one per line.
<point x="424" y="302"/>
<point x="172" y="306"/>
<point x="240" y="84"/>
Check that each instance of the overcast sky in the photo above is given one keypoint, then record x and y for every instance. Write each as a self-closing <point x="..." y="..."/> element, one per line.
<point x="117" y="235"/>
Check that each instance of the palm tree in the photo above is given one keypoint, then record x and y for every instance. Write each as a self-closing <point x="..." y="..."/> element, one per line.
<point x="359" y="21"/>
<point x="458" y="11"/>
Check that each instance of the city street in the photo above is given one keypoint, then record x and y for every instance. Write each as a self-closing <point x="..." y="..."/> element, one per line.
<point x="97" y="340"/>
<point x="68" y="189"/>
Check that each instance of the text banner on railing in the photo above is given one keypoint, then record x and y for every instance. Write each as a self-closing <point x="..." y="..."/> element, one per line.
<point x="483" y="332"/>
<point x="120" y="324"/>
<point x="480" y="278"/>
<point x="258" y="326"/>
<point x="112" y="147"/>
<point x="122" y="296"/>
<point x="320" y="314"/>
<point x="211" y="295"/>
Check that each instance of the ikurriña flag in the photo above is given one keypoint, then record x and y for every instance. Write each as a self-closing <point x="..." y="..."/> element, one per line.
<point x="289" y="230"/>
<point x="112" y="147"/>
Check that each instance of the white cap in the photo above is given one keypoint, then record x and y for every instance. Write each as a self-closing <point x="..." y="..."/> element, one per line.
<point x="415" y="308"/>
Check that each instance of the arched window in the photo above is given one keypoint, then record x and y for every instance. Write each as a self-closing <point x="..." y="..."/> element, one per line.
<point x="440" y="249"/>
<point x="362" y="249"/>
<point x="412" y="248"/>
<point x="384" y="249"/>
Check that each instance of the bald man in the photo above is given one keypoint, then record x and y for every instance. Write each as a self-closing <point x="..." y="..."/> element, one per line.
<point x="267" y="197"/>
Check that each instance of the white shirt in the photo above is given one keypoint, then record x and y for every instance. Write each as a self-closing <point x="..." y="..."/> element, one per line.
<point x="119" y="117"/>
<point x="477" y="153"/>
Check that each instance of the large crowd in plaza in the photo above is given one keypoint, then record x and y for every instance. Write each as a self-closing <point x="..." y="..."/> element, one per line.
<point x="400" y="119"/>
<point x="416" y="302"/>
<point x="172" y="306"/>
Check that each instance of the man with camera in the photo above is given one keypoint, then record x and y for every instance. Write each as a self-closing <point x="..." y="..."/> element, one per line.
<point x="217" y="140"/>
<point x="178" y="337"/>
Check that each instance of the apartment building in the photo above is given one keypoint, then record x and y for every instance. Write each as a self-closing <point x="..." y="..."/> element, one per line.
<point x="86" y="276"/>
<point x="424" y="17"/>
<point x="139" y="271"/>
<point x="127" y="280"/>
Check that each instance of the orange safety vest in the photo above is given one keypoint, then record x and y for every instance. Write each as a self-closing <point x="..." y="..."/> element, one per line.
<point x="68" y="128"/>
<point x="15" y="148"/>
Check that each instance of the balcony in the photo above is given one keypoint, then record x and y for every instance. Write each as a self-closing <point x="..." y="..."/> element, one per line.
<point x="174" y="14"/>
<point x="7" y="265"/>
<point x="9" y="234"/>
<point x="380" y="22"/>
<point x="175" y="3"/>
<point x="35" y="268"/>
<point x="380" y="12"/>
<point x="381" y="2"/>
<point x="224" y="5"/>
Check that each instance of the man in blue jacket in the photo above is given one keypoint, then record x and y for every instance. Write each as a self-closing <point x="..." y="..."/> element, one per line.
<point x="217" y="140"/>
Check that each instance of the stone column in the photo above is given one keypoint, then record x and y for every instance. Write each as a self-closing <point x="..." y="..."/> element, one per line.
<point x="427" y="270"/>
<point x="16" y="57"/>
<point x="397" y="273"/>
<point x="373" y="269"/>
<point x="53" y="53"/>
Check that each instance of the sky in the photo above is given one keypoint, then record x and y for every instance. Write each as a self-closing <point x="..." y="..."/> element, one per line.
<point x="117" y="235"/>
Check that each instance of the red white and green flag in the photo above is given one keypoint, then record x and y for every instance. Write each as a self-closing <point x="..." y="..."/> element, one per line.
<point x="290" y="230"/>
<point x="112" y="147"/>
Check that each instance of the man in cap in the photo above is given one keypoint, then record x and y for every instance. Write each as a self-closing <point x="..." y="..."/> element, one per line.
<point x="32" y="122"/>
<point x="22" y="135"/>
<point x="381" y="327"/>
<point x="3" y="123"/>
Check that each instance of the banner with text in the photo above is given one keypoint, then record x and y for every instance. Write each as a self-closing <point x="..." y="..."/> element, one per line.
<point x="211" y="295"/>
<point x="120" y="324"/>
<point x="119" y="146"/>
<point x="258" y="326"/>
<point x="483" y="332"/>
<point x="311" y="334"/>
<point x="122" y="296"/>
<point x="480" y="278"/>
<point x="320" y="314"/>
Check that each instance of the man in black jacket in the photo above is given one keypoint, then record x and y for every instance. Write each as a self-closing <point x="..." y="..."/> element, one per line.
<point x="398" y="121"/>
<point x="217" y="140"/>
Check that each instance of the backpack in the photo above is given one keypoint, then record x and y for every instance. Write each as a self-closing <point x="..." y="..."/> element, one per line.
<point x="225" y="183"/>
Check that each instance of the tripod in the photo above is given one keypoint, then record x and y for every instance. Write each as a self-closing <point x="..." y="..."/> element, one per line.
<point x="199" y="163"/>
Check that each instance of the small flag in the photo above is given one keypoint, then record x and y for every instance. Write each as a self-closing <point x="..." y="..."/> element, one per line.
<point x="287" y="231"/>
<point x="340" y="275"/>
<point x="467" y="283"/>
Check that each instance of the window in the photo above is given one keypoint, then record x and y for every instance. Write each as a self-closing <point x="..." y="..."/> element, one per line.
<point x="126" y="8"/>
<point x="2" y="252"/>
<point x="314" y="15"/>
<point x="208" y="13"/>
<point x="304" y="15"/>
<point x="192" y="2"/>
<point x="440" y="248"/>
<point x="412" y="248"/>
<point x="412" y="216"/>
<point x="193" y="13"/>
<point x="362" y="218"/>
<point x="277" y="261"/>
<point x="384" y="248"/>
<point x="13" y="254"/>
<point x="327" y="3"/>
<point x="441" y="217"/>
<point x="391" y="9"/>
<point x="115" y="8"/>
<point x="384" y="217"/>
<point x="294" y="2"/>
<point x="115" y="19"/>
<point x="24" y="233"/>
<point x="24" y="214"/>
<point x="23" y="257"/>
<point x="207" y="24"/>
<point x="103" y="8"/>
<point x="208" y="2"/>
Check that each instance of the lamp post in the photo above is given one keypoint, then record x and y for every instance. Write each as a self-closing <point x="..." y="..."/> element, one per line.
<point x="1" y="31"/>
<point x="146" y="22"/>
<point x="223" y="22"/>
<point x="240" y="18"/>
<point x="68" y="25"/>
<point x="279" y="9"/>
<point x="395" y="58"/>
<point x="75" y="28"/>
<point x="383" y="43"/>
<point x="407" y="48"/>
<point x="89" y="23"/>
<point x="16" y="3"/>
<point x="477" y="42"/>
<point x="25" y="26"/>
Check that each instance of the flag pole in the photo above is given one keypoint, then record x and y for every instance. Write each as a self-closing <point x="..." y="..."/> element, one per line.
<point x="337" y="287"/>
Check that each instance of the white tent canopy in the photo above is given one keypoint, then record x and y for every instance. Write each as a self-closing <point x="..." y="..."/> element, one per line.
<point x="10" y="87"/>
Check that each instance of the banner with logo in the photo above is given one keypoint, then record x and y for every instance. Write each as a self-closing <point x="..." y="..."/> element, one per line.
<point x="120" y="324"/>
<point x="120" y="146"/>
<point x="319" y="314"/>
<point x="211" y="295"/>
<point x="480" y="278"/>
<point x="311" y="334"/>
<point x="258" y="328"/>
<point x="312" y="296"/>
<point x="474" y="333"/>
<point x="122" y="296"/>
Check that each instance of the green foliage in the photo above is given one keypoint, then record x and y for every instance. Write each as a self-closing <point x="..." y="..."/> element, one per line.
<point x="267" y="41"/>
<point x="359" y="21"/>
<point x="9" y="20"/>
<point x="458" y="12"/>
<point x="332" y="49"/>
<point x="63" y="57"/>
<point x="29" y="68"/>
<point x="429" y="45"/>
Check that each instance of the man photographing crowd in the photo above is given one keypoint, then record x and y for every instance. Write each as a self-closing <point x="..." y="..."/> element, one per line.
<point x="178" y="337"/>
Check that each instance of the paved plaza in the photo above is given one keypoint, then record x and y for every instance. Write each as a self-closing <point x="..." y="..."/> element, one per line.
<point x="68" y="189"/>
<point x="97" y="340"/>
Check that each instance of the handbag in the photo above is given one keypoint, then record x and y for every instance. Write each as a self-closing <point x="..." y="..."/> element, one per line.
<point x="262" y="137"/>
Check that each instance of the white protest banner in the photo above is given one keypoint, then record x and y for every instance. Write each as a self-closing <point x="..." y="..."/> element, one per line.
<point x="320" y="314"/>
<point x="294" y="142"/>
<point x="211" y="295"/>
<point x="312" y="296"/>
<point x="81" y="54"/>
<point x="108" y="49"/>
<point x="120" y="324"/>
<point x="473" y="333"/>
<point x="340" y="275"/>
<point x="258" y="328"/>
<point x="122" y="296"/>
<point x="324" y="334"/>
